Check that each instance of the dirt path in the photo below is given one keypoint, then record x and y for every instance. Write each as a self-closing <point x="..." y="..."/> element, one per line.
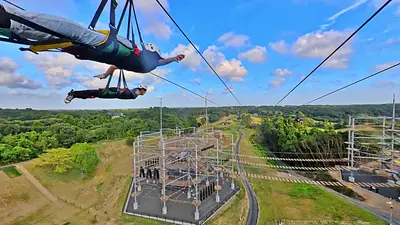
<point x="36" y="183"/>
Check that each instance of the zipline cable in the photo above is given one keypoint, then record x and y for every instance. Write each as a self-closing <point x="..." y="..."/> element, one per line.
<point x="162" y="78"/>
<point x="215" y="72"/>
<point x="354" y="33"/>
<point x="372" y="75"/>
<point x="14" y="5"/>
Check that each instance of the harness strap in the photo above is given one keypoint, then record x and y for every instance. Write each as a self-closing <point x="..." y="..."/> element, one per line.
<point x="97" y="15"/>
<point x="119" y="82"/>
<point x="122" y="16"/>
<point x="137" y="23"/>
<point x="113" y="6"/>
<point x="107" y="89"/>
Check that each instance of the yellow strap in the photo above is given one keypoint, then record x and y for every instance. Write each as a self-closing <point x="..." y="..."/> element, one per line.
<point x="41" y="48"/>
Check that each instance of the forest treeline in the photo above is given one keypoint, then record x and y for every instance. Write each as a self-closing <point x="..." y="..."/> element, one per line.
<point x="27" y="133"/>
<point x="290" y="139"/>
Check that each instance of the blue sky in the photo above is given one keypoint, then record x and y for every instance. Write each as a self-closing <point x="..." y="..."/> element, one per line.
<point x="260" y="48"/>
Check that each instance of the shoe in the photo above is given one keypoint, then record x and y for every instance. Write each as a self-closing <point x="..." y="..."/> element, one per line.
<point x="69" y="97"/>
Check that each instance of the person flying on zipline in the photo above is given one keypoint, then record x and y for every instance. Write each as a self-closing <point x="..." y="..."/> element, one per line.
<point x="85" y="43"/>
<point x="114" y="92"/>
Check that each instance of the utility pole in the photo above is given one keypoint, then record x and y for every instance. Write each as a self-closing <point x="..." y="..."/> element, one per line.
<point x="349" y="143"/>
<point x="161" y="116"/>
<point x="383" y="140"/>
<point x="391" y="211"/>
<point x="206" y="117"/>
<point x="393" y="130"/>
<point x="351" y="178"/>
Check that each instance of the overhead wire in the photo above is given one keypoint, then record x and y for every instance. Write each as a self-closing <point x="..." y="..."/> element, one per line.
<point x="367" y="77"/>
<point x="184" y="34"/>
<point x="347" y="39"/>
<point x="162" y="78"/>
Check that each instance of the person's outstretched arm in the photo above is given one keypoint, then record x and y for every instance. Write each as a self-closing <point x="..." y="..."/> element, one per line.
<point x="109" y="71"/>
<point x="166" y="61"/>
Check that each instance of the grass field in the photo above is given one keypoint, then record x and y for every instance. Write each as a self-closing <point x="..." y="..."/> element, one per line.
<point x="235" y="212"/>
<point x="304" y="202"/>
<point x="11" y="172"/>
<point x="300" y="202"/>
<point x="98" y="199"/>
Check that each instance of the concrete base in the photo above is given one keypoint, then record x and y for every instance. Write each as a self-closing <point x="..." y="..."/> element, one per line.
<point x="196" y="215"/>
<point x="351" y="179"/>
<point x="164" y="210"/>
<point x="135" y="205"/>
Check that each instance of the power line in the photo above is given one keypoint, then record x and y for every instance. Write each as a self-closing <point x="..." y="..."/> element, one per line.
<point x="354" y="33"/>
<point x="388" y="68"/>
<point x="215" y="72"/>
<point x="162" y="78"/>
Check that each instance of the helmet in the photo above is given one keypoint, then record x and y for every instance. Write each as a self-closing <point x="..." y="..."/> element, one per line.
<point x="143" y="87"/>
<point x="152" y="47"/>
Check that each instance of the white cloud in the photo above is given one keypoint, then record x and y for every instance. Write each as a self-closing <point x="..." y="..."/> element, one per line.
<point x="139" y="78"/>
<point x="57" y="68"/>
<point x="321" y="44"/>
<point x="333" y="18"/>
<point x="151" y="6"/>
<point x="231" y="39"/>
<point x="280" y="77"/>
<point x="256" y="55"/>
<point x="337" y="63"/>
<point x="231" y="69"/>
<point x="197" y="81"/>
<point x="277" y="81"/>
<point x="385" y="65"/>
<point x="385" y="84"/>
<point x="227" y="91"/>
<point x="11" y="79"/>
<point x="313" y="80"/>
<point x="280" y="46"/>
<point x="379" y="3"/>
<point x="282" y="72"/>
<point x="192" y="60"/>
<point x="155" y="21"/>
<point x="159" y="29"/>
<point x="40" y="94"/>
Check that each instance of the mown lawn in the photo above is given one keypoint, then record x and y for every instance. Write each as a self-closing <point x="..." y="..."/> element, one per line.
<point x="305" y="202"/>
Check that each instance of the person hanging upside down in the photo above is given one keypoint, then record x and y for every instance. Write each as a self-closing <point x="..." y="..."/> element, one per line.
<point x="112" y="93"/>
<point x="96" y="46"/>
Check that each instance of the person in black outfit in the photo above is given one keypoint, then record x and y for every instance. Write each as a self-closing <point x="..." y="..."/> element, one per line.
<point x="99" y="93"/>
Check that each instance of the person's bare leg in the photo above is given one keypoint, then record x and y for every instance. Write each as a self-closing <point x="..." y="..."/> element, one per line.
<point x="109" y="71"/>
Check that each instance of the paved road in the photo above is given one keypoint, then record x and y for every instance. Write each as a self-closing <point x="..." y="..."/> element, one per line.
<point x="252" y="216"/>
